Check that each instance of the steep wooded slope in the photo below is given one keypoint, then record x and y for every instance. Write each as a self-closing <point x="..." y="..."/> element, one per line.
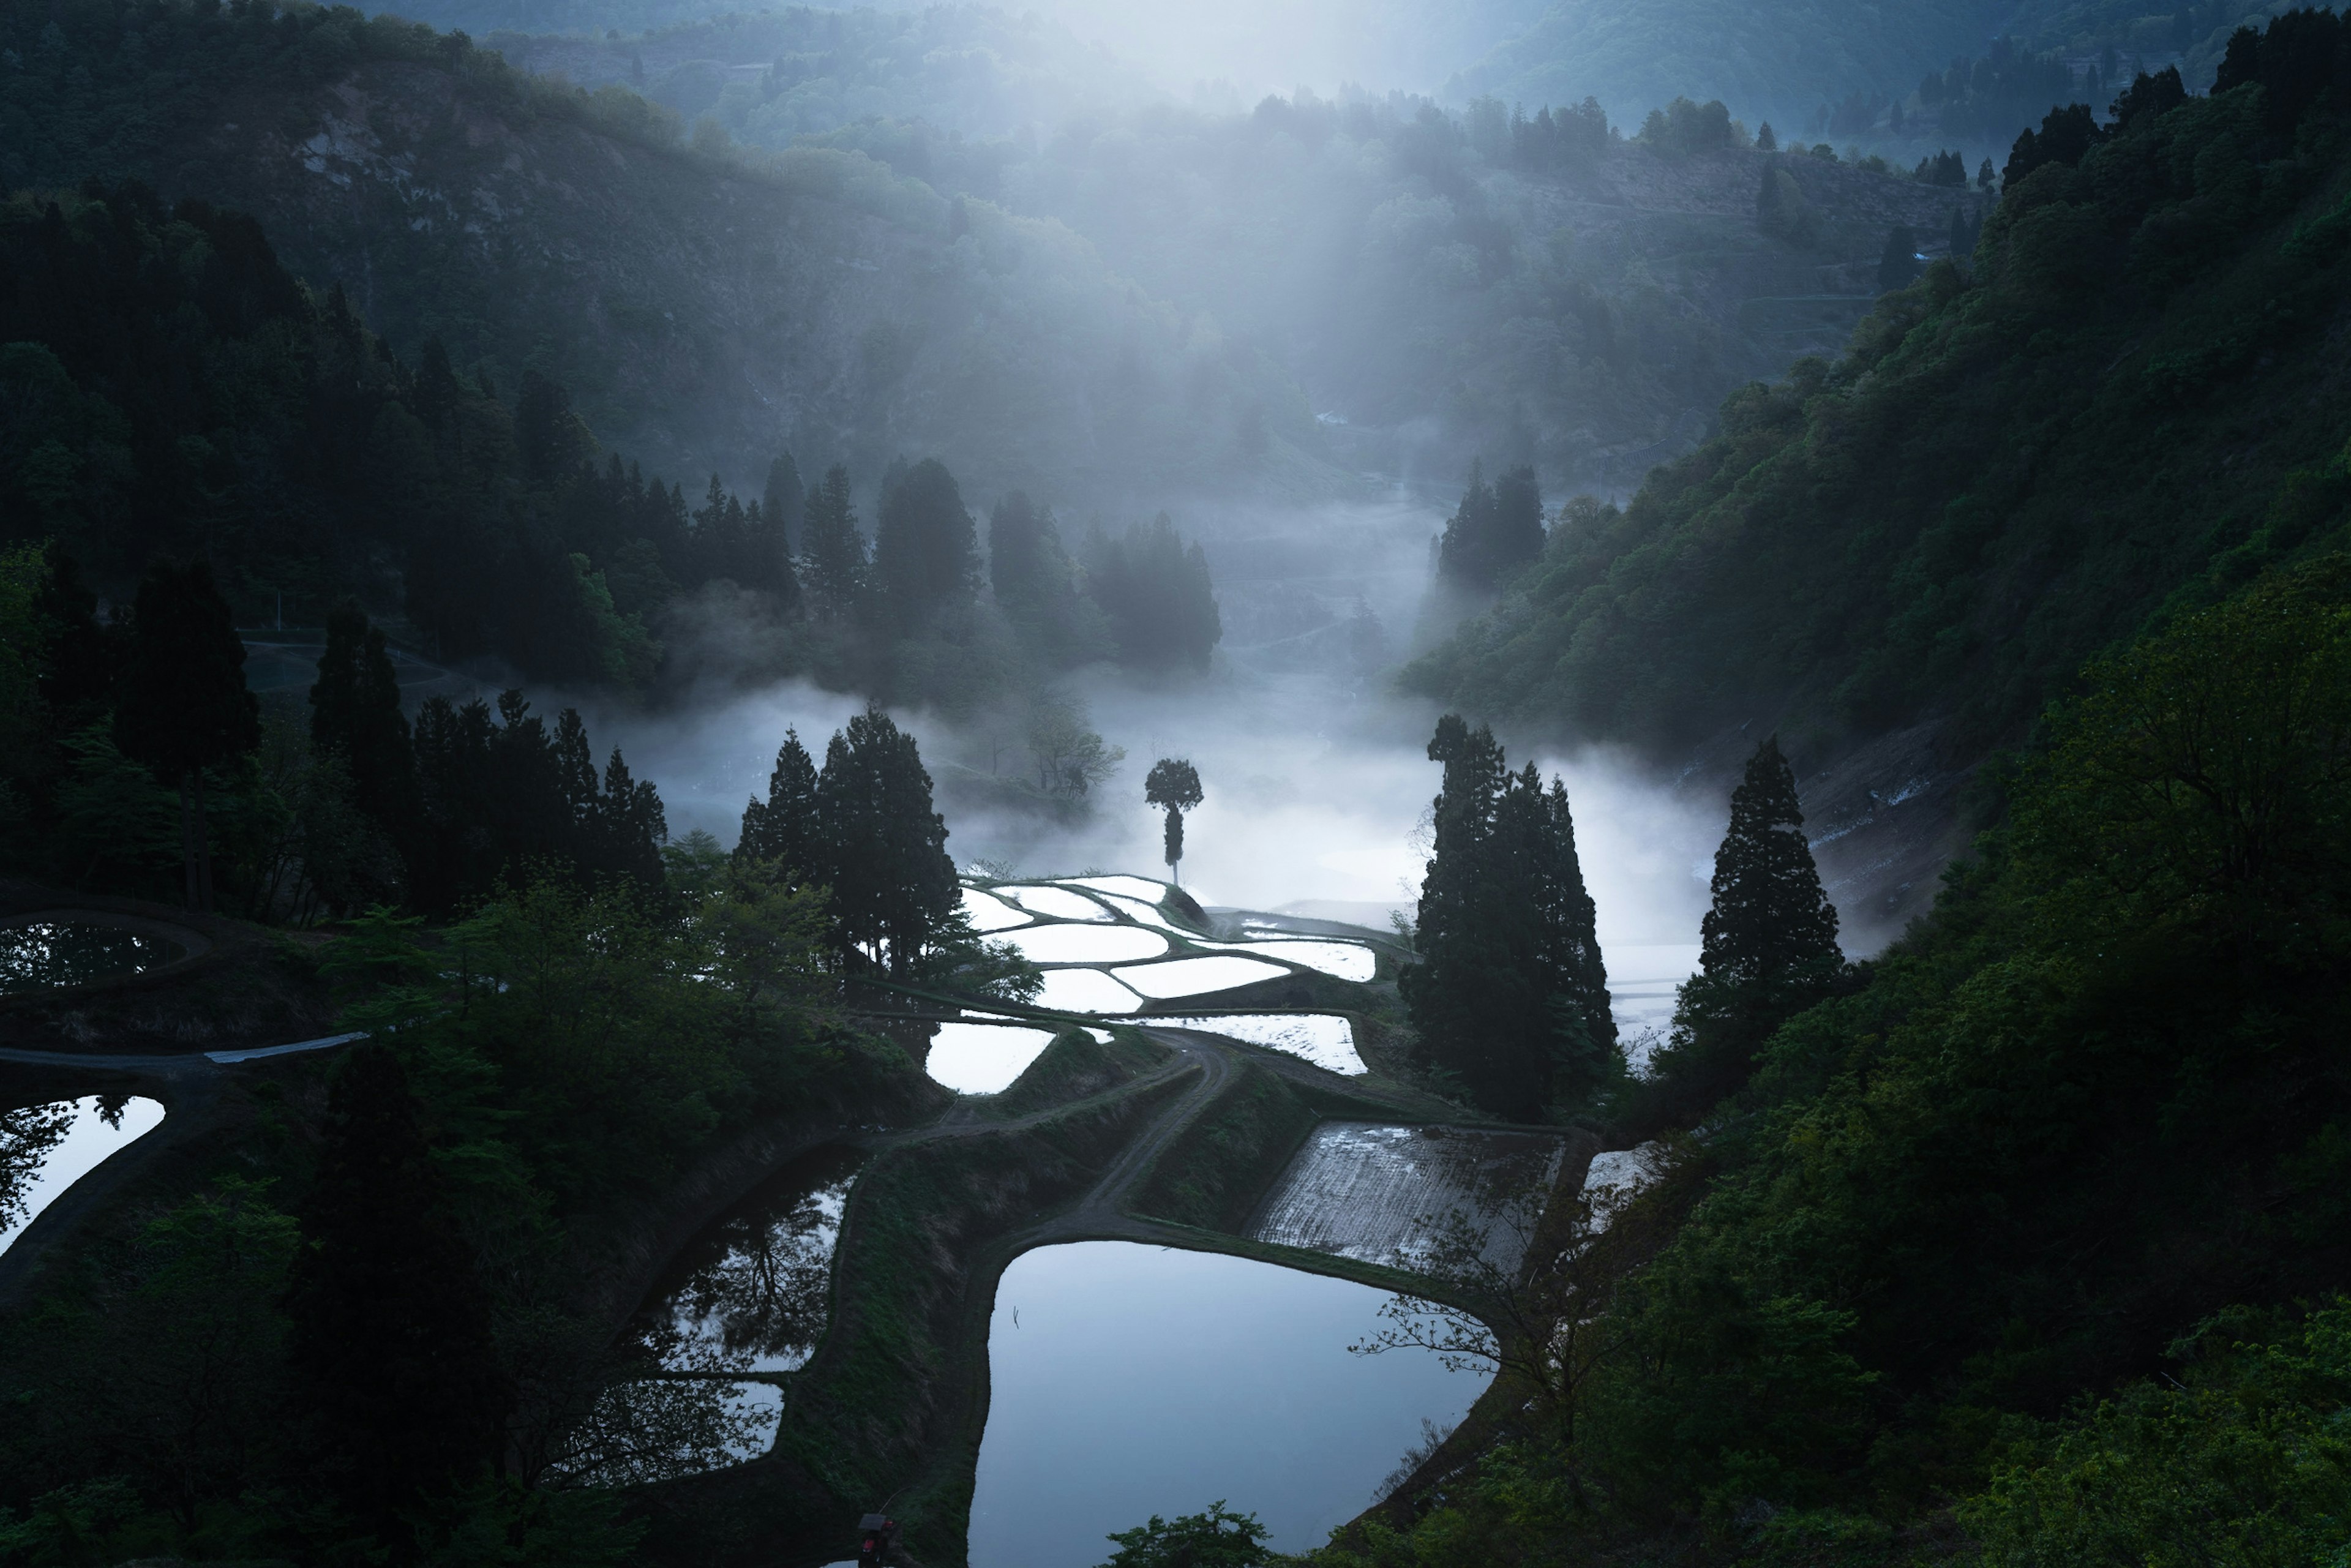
<point x="704" y="312"/>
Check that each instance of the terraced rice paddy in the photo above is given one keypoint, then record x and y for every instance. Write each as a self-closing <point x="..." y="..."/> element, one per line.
<point x="1383" y="1192"/>
<point x="1325" y="1040"/>
<point x="989" y="914"/>
<point x="1058" y="902"/>
<point x="983" y="1058"/>
<point x="1197" y="977"/>
<point x="1086" y="944"/>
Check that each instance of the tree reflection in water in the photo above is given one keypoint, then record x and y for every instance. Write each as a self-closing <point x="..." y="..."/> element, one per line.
<point x="751" y="1295"/>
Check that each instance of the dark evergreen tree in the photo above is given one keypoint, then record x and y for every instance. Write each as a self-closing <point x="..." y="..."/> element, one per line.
<point x="925" y="548"/>
<point x="1036" y="584"/>
<point x="1897" y="263"/>
<point x="1509" y="997"/>
<point x="785" y="502"/>
<point x="630" y="827"/>
<point x="182" y="706"/>
<point x="1157" y="595"/>
<point x="1497" y="529"/>
<point x="1174" y="786"/>
<point x="894" y="887"/>
<point x="832" y="550"/>
<point x="355" y="715"/>
<point x="782" y="830"/>
<point x="392" y="1329"/>
<point x="1765" y="142"/>
<point x="79" y="659"/>
<point x="1771" y="925"/>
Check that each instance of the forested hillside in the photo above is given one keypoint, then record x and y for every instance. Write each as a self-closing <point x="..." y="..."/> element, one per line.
<point x="703" y="310"/>
<point x="2130" y="401"/>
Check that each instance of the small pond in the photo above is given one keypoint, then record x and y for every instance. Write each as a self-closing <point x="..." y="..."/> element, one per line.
<point x="45" y="1149"/>
<point x="40" y="955"/>
<point x="1128" y="1380"/>
<point x="749" y="1296"/>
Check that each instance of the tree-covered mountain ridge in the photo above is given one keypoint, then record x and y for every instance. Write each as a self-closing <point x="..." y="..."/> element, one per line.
<point x="2130" y="401"/>
<point x="707" y="307"/>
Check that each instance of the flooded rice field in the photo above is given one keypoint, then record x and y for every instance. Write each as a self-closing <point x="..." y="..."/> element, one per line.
<point x="45" y="1148"/>
<point x="983" y="1058"/>
<point x="1383" y="1194"/>
<point x="1128" y="1380"/>
<point x="1326" y="1039"/>
<point x="747" y="1301"/>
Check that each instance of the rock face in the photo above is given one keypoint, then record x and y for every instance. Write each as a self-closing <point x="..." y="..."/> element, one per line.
<point x="708" y="308"/>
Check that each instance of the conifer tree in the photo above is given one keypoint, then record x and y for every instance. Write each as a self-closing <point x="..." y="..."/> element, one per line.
<point x="1156" y="592"/>
<point x="1174" y="786"/>
<point x="782" y="830"/>
<point x="391" y="1330"/>
<point x="1765" y="141"/>
<point x="832" y="550"/>
<point x="785" y="502"/>
<point x="629" y="827"/>
<point x="182" y="706"/>
<point x="925" y="548"/>
<point x="355" y="715"/>
<point x="1035" y="584"/>
<point x="1496" y="529"/>
<point x="1772" y="925"/>
<point x="1511" y="996"/>
<point x="893" y="886"/>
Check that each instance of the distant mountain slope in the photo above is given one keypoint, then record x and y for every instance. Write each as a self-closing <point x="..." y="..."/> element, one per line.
<point x="2137" y="402"/>
<point x="704" y="311"/>
<point x="1765" y="61"/>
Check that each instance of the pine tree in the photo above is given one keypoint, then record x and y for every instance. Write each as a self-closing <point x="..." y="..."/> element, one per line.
<point x="182" y="706"/>
<point x="1772" y="925"/>
<point x="1584" y="1025"/>
<point x="925" y="548"/>
<point x="782" y="830"/>
<point x="1496" y="529"/>
<point x="1174" y="786"/>
<point x="355" y="715"/>
<point x="832" y="550"/>
<point x="1035" y="584"/>
<point x="1765" y="142"/>
<point x="392" y="1329"/>
<point x="1156" y="592"/>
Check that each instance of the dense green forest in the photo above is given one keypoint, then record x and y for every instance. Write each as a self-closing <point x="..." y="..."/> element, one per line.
<point x="2122" y="406"/>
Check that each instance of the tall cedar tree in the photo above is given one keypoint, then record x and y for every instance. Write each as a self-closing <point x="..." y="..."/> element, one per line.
<point x="79" y="658"/>
<point x="1497" y="528"/>
<point x="784" y="503"/>
<point x="497" y="798"/>
<point x="1769" y="951"/>
<point x="392" y="1328"/>
<point x="1036" y="584"/>
<point x="1510" y="995"/>
<point x="782" y="830"/>
<point x="182" y="706"/>
<point x="1174" y="786"/>
<point x="1771" y="925"/>
<point x="893" y="886"/>
<point x="925" y="548"/>
<point x="355" y="715"/>
<point x="832" y="550"/>
<point x="1156" y="592"/>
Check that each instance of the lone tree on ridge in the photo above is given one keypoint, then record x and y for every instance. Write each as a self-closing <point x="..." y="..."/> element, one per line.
<point x="1173" y="784"/>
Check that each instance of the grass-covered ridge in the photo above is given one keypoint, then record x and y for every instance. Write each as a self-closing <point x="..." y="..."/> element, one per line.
<point x="2130" y="400"/>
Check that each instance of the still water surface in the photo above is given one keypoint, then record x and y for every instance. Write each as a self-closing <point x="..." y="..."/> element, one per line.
<point x="38" y="954"/>
<point x="45" y="1149"/>
<point x="1128" y="1380"/>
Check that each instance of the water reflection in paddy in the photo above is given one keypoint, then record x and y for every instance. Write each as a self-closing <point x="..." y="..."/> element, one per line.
<point x="751" y="1292"/>
<point x="1128" y="1380"/>
<point x="45" y="1149"/>
<point x="38" y="954"/>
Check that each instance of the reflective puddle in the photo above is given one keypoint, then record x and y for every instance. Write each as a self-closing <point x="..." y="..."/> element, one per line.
<point x="1128" y="1380"/>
